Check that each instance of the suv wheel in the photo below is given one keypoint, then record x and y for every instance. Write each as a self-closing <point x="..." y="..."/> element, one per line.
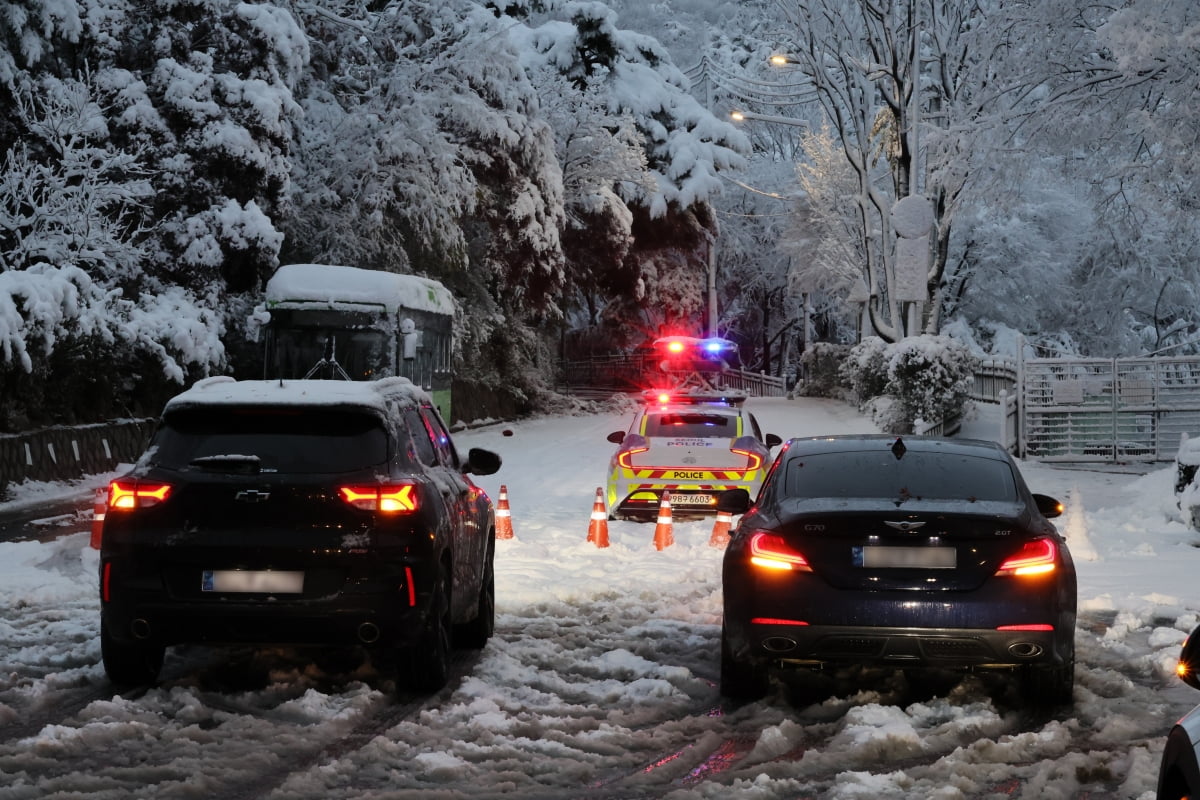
<point x="741" y="680"/>
<point x="428" y="663"/>
<point x="130" y="664"/>
<point x="474" y="634"/>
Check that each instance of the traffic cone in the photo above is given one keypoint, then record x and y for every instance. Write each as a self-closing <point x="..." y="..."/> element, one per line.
<point x="99" y="507"/>
<point x="720" y="531"/>
<point x="598" y="527"/>
<point x="664" y="531"/>
<point x="504" y="529"/>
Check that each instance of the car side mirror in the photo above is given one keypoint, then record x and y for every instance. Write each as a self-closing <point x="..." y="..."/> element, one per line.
<point x="773" y="441"/>
<point x="616" y="437"/>
<point x="1049" y="506"/>
<point x="482" y="462"/>
<point x="734" y="501"/>
<point x="1188" y="668"/>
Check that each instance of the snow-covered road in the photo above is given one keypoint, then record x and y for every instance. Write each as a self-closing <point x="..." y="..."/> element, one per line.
<point x="600" y="681"/>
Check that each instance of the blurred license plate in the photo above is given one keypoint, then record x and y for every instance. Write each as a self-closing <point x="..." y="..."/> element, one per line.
<point x="913" y="557"/>
<point x="246" y="580"/>
<point x="692" y="499"/>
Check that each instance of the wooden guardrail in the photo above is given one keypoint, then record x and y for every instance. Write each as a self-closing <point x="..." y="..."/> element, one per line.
<point x="67" y="452"/>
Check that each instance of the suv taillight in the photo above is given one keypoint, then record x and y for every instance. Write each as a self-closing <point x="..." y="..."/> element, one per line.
<point x="392" y="498"/>
<point x="127" y="495"/>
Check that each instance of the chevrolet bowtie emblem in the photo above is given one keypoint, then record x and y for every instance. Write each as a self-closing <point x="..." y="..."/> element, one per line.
<point x="905" y="525"/>
<point x="253" y="496"/>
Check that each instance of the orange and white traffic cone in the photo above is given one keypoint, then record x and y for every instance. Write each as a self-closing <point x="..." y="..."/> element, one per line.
<point x="720" y="531"/>
<point x="664" y="531"/>
<point x="598" y="527"/>
<point x="99" y="508"/>
<point x="504" y="529"/>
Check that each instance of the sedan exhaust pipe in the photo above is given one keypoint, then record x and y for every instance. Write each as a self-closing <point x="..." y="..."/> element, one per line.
<point x="1025" y="649"/>
<point x="140" y="629"/>
<point x="779" y="644"/>
<point x="368" y="633"/>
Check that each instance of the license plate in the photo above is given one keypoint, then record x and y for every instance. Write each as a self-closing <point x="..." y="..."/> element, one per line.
<point x="906" y="557"/>
<point x="692" y="500"/>
<point x="268" y="581"/>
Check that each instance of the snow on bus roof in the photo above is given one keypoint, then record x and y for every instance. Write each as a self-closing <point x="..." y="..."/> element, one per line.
<point x="225" y="391"/>
<point x="333" y="285"/>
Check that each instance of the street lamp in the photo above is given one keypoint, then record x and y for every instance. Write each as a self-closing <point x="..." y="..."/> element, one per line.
<point x="742" y="116"/>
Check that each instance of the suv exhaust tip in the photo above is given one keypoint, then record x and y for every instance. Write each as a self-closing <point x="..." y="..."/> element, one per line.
<point x="140" y="629"/>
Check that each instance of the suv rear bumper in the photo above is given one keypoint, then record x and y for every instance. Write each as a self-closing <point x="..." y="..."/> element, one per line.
<point x="387" y="625"/>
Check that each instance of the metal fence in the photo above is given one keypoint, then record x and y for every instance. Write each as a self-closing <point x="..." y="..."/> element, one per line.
<point x="631" y="373"/>
<point x="1132" y="409"/>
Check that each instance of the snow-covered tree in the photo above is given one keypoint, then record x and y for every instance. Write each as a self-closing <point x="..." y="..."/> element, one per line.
<point x="685" y="146"/>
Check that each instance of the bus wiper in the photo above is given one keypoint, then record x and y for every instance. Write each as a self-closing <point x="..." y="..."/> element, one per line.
<point x="232" y="462"/>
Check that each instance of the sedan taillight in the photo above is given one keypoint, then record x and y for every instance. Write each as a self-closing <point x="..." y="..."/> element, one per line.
<point x="755" y="459"/>
<point x="1038" y="557"/>
<point x="623" y="458"/>
<point x="398" y="498"/>
<point x="127" y="495"/>
<point x="772" y="551"/>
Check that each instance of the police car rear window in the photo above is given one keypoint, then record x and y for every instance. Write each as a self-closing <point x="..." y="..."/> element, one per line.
<point x="691" y="424"/>
<point x="285" y="440"/>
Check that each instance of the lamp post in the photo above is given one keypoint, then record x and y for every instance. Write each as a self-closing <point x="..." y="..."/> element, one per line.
<point x="742" y="116"/>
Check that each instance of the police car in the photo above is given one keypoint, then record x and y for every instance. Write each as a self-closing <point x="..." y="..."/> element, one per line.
<point x="694" y="444"/>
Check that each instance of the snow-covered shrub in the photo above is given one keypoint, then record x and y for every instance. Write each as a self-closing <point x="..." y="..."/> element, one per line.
<point x="864" y="370"/>
<point x="822" y="364"/>
<point x="930" y="378"/>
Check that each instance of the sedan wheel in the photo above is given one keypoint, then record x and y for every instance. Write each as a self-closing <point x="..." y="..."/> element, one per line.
<point x="1049" y="687"/>
<point x="741" y="680"/>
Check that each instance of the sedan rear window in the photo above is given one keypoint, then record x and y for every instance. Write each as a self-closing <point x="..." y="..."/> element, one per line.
<point x="291" y="440"/>
<point x="916" y="476"/>
<point x="691" y="424"/>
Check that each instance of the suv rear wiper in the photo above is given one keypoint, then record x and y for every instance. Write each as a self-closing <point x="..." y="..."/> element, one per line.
<point x="232" y="462"/>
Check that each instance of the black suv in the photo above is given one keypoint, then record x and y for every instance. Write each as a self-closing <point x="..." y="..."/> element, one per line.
<point x="299" y="513"/>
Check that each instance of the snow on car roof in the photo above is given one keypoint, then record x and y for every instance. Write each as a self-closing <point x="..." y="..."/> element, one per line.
<point x="225" y="391"/>
<point x="333" y="285"/>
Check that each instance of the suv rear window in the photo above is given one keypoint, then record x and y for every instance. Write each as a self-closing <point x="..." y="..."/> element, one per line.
<point x="691" y="424"/>
<point x="919" y="476"/>
<point x="292" y="440"/>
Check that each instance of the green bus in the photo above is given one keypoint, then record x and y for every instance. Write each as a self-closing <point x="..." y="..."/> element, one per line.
<point x="332" y="321"/>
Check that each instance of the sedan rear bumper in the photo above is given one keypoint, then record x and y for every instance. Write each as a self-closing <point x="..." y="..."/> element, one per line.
<point x="820" y="645"/>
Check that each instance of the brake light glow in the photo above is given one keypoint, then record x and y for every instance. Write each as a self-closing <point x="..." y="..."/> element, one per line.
<point x="106" y="582"/>
<point x="771" y="551"/>
<point x="776" y="621"/>
<point x="623" y="458"/>
<point x="412" y="588"/>
<point x="127" y="495"/>
<point x="1034" y="558"/>
<point x="756" y="459"/>
<point x="387" y="499"/>
<point x="1033" y="627"/>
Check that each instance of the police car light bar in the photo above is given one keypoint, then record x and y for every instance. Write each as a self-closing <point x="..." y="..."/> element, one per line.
<point x="693" y="397"/>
